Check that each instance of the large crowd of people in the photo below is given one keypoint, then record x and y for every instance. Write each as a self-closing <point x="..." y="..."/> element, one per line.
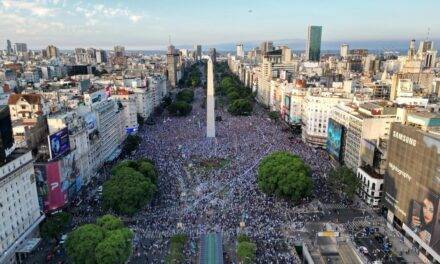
<point x="194" y="200"/>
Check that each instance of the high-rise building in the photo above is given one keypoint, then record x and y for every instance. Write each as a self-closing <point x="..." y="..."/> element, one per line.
<point x="20" y="48"/>
<point x="101" y="56"/>
<point x="80" y="56"/>
<point x="240" y="50"/>
<point x="119" y="51"/>
<point x="8" y="47"/>
<point x="172" y="58"/>
<point x="198" y="52"/>
<point x="313" y="50"/>
<point x="266" y="47"/>
<point x="19" y="207"/>
<point x="6" y="139"/>
<point x="52" y="52"/>
<point x="412" y="49"/>
<point x="412" y="185"/>
<point x="344" y="51"/>
<point x="213" y="55"/>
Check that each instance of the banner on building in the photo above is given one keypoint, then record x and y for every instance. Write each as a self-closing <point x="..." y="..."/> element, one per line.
<point x="56" y="198"/>
<point x="334" y="139"/>
<point x="59" y="143"/>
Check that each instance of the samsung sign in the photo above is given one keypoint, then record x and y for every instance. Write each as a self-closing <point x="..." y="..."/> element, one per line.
<point x="405" y="138"/>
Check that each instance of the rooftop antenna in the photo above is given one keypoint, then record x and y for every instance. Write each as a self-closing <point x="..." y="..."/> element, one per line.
<point x="429" y="32"/>
<point x="169" y="40"/>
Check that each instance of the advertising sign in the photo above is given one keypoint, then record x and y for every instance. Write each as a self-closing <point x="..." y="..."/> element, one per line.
<point x="69" y="174"/>
<point x="56" y="198"/>
<point x="90" y="120"/>
<point x="334" y="139"/>
<point x="41" y="182"/>
<point x="367" y="152"/>
<point x="59" y="143"/>
<point x="412" y="182"/>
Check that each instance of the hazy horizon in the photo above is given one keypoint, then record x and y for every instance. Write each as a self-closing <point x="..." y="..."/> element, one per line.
<point x="149" y="25"/>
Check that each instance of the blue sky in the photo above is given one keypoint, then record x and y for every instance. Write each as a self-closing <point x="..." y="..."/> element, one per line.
<point x="148" y="24"/>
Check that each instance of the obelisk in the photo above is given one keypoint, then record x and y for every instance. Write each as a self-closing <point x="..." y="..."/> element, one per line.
<point x="210" y="101"/>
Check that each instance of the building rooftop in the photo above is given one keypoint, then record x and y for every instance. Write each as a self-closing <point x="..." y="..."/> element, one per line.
<point x="424" y="119"/>
<point x="30" y="98"/>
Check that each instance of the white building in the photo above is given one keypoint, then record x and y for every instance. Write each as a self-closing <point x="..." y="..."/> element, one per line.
<point x="240" y="51"/>
<point x="19" y="208"/>
<point x="75" y="121"/>
<point x="317" y="110"/>
<point x="371" y="186"/>
<point x="344" y="51"/>
<point x="129" y="112"/>
<point x="144" y="101"/>
<point x="110" y="123"/>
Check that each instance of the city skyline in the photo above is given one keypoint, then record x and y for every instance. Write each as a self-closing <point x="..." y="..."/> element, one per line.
<point x="68" y="24"/>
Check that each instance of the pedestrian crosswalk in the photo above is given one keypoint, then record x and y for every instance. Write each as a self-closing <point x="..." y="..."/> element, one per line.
<point x="334" y="206"/>
<point x="362" y="223"/>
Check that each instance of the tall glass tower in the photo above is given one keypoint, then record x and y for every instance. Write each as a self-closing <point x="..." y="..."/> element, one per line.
<point x="313" y="50"/>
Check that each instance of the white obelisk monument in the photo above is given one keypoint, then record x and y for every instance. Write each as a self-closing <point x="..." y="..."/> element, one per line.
<point x="210" y="101"/>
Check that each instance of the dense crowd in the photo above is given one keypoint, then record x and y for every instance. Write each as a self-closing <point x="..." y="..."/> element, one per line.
<point x="195" y="200"/>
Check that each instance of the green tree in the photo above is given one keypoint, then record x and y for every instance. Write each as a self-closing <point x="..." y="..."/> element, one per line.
<point x="177" y="245"/>
<point x="274" y="115"/>
<point x="140" y="120"/>
<point x="185" y="95"/>
<point x="285" y="175"/>
<point x="115" y="248"/>
<point x="127" y="191"/>
<point x="233" y="95"/>
<point x="243" y="238"/>
<point x="179" y="108"/>
<point x="246" y="250"/>
<point x="81" y="243"/>
<point x="109" y="222"/>
<point x="166" y="101"/>
<point x="55" y="224"/>
<point x="148" y="170"/>
<point x="131" y="143"/>
<point x="106" y="242"/>
<point x="344" y="180"/>
<point x="240" y="107"/>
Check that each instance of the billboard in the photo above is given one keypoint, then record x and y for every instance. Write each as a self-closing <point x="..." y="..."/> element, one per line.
<point x="48" y="180"/>
<point x="412" y="182"/>
<point x="6" y="139"/>
<point x="69" y="174"/>
<point x="41" y="182"/>
<point x="90" y="120"/>
<point x="367" y="152"/>
<point x="59" y="143"/>
<point x="334" y="139"/>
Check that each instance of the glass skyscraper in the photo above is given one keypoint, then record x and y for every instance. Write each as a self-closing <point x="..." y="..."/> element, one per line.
<point x="314" y="43"/>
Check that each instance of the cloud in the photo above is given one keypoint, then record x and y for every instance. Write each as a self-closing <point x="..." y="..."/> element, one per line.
<point x="34" y="8"/>
<point x="135" y="18"/>
<point x="92" y="11"/>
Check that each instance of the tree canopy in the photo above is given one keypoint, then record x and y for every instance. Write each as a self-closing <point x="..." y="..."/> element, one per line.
<point x="131" y="143"/>
<point x="285" y="175"/>
<point x="55" y="224"/>
<point x="185" y="95"/>
<point x="344" y="180"/>
<point x="246" y="250"/>
<point x="179" y="108"/>
<point x="241" y="107"/>
<point x="106" y="242"/>
<point x="131" y="186"/>
<point x="274" y="115"/>
<point x="177" y="245"/>
<point x="191" y="78"/>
